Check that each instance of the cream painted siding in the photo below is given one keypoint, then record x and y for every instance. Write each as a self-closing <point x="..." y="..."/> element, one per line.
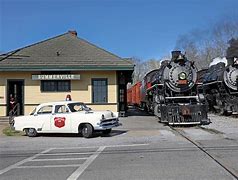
<point x="81" y="90"/>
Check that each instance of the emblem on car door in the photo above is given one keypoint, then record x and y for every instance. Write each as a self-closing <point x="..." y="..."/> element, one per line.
<point x="59" y="122"/>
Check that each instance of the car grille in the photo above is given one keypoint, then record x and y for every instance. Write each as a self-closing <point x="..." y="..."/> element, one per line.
<point x="109" y="122"/>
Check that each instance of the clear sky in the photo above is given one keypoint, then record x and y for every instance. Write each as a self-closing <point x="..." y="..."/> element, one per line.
<point x="129" y="28"/>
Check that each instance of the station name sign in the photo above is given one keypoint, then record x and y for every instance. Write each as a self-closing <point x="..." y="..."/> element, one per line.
<point x="56" y="77"/>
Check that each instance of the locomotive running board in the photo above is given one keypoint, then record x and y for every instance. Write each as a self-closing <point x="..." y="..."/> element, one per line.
<point x="181" y="97"/>
<point x="205" y="84"/>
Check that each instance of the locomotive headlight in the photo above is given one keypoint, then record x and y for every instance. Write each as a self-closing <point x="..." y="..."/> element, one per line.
<point x="182" y="76"/>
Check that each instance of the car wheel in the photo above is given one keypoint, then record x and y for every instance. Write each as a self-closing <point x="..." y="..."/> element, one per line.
<point x="107" y="131"/>
<point x="87" y="131"/>
<point x="31" y="132"/>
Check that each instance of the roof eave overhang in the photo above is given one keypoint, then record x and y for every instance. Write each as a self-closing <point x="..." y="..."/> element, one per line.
<point x="65" y="68"/>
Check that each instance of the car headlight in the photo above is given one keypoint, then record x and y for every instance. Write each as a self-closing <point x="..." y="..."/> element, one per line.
<point x="182" y="76"/>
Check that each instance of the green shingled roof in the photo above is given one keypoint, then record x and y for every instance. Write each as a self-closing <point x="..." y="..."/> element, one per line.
<point x="63" y="52"/>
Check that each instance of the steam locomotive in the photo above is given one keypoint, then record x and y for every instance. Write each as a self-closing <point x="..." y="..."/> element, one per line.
<point x="220" y="84"/>
<point x="171" y="92"/>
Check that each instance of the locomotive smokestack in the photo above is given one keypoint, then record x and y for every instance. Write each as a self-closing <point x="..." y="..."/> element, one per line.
<point x="175" y="54"/>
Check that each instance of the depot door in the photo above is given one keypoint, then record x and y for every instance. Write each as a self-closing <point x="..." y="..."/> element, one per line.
<point x="122" y="93"/>
<point x="15" y="90"/>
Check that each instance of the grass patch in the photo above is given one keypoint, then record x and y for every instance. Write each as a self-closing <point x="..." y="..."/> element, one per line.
<point x="10" y="132"/>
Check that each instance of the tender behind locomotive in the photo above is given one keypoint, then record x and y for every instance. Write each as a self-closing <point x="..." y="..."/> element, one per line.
<point x="170" y="92"/>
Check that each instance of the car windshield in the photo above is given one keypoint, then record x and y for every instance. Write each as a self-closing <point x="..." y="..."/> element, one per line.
<point x="75" y="107"/>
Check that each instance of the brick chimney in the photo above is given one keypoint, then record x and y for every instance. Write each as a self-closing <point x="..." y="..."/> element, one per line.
<point x="73" y="32"/>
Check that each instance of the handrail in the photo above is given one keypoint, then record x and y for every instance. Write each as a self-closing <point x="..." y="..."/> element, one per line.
<point x="15" y="111"/>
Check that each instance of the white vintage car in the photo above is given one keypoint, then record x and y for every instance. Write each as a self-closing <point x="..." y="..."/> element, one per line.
<point x="66" y="117"/>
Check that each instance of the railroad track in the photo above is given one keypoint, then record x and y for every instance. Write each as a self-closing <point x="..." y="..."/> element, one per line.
<point x="215" y="159"/>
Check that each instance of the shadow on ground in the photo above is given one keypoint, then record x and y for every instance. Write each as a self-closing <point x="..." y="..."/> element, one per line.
<point x="136" y="111"/>
<point x="96" y="134"/>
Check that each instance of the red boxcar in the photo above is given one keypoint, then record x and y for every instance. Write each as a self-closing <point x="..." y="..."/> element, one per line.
<point x="129" y="96"/>
<point x="133" y="95"/>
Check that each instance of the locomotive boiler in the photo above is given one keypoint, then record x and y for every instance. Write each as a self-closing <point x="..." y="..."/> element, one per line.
<point x="171" y="93"/>
<point x="221" y="87"/>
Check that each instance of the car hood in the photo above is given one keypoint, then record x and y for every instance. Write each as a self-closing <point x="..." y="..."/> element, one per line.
<point x="107" y="114"/>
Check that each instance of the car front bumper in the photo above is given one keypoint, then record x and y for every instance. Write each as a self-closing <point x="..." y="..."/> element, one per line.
<point x="108" y="124"/>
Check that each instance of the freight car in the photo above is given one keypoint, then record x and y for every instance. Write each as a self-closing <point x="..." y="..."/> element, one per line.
<point x="170" y="92"/>
<point x="221" y="87"/>
<point x="129" y="97"/>
<point x="133" y="95"/>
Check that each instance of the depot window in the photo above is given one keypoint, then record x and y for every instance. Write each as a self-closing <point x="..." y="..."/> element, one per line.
<point x="99" y="90"/>
<point x="55" y="86"/>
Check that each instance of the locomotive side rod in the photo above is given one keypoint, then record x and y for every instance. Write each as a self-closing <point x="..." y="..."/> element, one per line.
<point x="230" y="171"/>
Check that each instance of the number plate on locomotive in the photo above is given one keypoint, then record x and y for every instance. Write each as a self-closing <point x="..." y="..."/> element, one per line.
<point x="183" y="81"/>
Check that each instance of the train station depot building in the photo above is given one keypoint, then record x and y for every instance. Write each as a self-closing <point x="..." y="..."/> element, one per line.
<point x="66" y="64"/>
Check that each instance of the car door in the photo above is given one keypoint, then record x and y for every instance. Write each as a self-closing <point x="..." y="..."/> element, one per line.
<point x="43" y="117"/>
<point x="60" y="120"/>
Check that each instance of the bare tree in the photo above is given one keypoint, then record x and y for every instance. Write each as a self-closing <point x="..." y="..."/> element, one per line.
<point x="143" y="67"/>
<point x="152" y="64"/>
<point x="232" y="50"/>
<point x="137" y="71"/>
<point x="202" y="46"/>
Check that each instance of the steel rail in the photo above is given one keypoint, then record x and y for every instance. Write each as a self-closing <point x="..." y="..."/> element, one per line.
<point x="208" y="154"/>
